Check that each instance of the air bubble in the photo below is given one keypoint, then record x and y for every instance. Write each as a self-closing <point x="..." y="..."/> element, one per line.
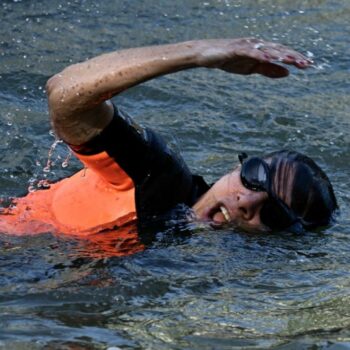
<point x="47" y="168"/>
<point x="43" y="184"/>
<point x="65" y="163"/>
<point x="31" y="188"/>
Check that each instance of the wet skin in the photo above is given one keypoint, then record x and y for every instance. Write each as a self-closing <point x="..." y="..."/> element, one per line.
<point x="229" y="202"/>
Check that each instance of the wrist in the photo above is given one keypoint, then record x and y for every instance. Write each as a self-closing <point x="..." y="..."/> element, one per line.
<point x="210" y="53"/>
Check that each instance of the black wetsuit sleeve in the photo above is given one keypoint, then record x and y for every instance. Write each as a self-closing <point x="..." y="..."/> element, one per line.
<point x="162" y="179"/>
<point x="124" y="141"/>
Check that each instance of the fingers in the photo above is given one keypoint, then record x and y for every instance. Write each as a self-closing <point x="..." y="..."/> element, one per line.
<point x="268" y="52"/>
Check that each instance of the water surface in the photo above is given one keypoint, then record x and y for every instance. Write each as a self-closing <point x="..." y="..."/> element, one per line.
<point x="192" y="288"/>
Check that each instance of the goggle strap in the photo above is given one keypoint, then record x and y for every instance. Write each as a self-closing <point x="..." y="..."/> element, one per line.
<point x="242" y="157"/>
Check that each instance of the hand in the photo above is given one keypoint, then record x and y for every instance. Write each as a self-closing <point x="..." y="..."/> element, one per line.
<point x="248" y="56"/>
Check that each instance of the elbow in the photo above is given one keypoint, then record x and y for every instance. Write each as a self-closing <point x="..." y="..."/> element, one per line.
<point x="59" y="97"/>
<point x="55" y="96"/>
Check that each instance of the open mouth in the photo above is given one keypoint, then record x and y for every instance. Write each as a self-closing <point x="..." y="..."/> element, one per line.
<point x="225" y="213"/>
<point x="219" y="215"/>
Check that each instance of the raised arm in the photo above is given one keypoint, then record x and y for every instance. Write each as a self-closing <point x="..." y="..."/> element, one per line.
<point x="78" y="96"/>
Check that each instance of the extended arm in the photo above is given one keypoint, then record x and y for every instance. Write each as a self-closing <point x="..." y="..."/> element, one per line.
<point x="78" y="96"/>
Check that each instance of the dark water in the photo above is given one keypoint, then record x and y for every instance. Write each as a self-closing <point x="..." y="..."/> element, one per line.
<point x="199" y="289"/>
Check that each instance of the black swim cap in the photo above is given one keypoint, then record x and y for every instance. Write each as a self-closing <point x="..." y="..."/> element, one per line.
<point x="300" y="183"/>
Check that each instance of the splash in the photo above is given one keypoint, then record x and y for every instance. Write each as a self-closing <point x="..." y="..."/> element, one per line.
<point x="65" y="163"/>
<point x="49" y="162"/>
<point x="41" y="180"/>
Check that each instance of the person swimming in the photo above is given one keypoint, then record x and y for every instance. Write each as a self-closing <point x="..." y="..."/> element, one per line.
<point x="130" y="172"/>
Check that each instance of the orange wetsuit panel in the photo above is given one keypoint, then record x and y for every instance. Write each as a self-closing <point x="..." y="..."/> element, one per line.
<point x="99" y="197"/>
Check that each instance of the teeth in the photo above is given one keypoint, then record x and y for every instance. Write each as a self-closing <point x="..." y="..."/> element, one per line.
<point x="225" y="213"/>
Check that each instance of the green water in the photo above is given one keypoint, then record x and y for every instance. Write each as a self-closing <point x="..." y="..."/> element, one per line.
<point x="204" y="289"/>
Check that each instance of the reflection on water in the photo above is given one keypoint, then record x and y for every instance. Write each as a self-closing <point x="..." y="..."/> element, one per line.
<point x="191" y="287"/>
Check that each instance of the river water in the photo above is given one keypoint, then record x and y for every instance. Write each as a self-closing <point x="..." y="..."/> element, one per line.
<point x="192" y="287"/>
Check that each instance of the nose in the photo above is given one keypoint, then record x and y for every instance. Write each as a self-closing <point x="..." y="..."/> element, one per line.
<point x="249" y="204"/>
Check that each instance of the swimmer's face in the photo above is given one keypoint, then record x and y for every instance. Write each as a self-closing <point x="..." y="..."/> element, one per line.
<point x="229" y="202"/>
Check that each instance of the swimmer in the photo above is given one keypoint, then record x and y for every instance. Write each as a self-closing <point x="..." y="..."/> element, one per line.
<point x="131" y="174"/>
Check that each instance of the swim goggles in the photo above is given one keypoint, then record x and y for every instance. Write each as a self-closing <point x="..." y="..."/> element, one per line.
<point x="275" y="214"/>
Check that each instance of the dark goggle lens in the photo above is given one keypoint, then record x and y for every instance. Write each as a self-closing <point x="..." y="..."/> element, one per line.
<point x="255" y="174"/>
<point x="275" y="216"/>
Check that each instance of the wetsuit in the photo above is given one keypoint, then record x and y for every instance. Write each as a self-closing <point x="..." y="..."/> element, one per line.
<point x="130" y="173"/>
